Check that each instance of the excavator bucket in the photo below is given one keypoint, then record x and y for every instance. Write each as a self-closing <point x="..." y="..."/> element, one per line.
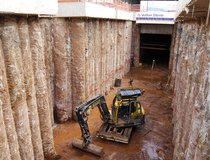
<point x="110" y="132"/>
<point x="91" y="148"/>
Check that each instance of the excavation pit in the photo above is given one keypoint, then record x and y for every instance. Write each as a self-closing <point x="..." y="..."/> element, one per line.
<point x="152" y="141"/>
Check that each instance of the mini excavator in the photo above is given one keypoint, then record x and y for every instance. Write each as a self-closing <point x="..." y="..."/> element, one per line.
<point x="126" y="113"/>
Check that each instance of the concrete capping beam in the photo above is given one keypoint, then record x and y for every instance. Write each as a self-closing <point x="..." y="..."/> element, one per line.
<point x="29" y="7"/>
<point x="73" y="9"/>
<point x="99" y="11"/>
<point x="86" y="9"/>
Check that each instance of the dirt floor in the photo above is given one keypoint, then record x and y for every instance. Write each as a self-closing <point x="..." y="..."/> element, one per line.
<point x="150" y="142"/>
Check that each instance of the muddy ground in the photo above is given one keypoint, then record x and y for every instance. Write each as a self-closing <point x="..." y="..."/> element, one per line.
<point x="150" y="142"/>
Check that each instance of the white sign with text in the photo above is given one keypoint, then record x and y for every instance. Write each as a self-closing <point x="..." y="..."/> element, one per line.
<point x="156" y="12"/>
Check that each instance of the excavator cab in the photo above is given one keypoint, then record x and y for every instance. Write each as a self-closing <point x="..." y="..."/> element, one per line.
<point x="127" y="111"/>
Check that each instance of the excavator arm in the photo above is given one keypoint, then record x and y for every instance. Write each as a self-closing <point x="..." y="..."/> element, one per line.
<point x="82" y="113"/>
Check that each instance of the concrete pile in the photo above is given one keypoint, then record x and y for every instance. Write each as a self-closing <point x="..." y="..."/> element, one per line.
<point x="24" y="94"/>
<point x="48" y="67"/>
<point x="37" y="50"/>
<point x="190" y="79"/>
<point x="100" y="54"/>
<point x="30" y="88"/>
<point x="135" y="48"/>
<point x="8" y="132"/>
<point x="62" y="79"/>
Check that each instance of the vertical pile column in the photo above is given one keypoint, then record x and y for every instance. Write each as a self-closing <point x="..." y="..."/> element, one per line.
<point x="172" y="51"/>
<point x="46" y="28"/>
<point x="77" y="27"/>
<point x="103" y="54"/>
<point x="69" y="84"/>
<point x="127" y="45"/>
<point x="135" y="45"/>
<point x="4" y="147"/>
<point x="6" y="106"/>
<point x="4" y="142"/>
<point x="30" y="89"/>
<point x="175" y="52"/>
<point x="113" y="52"/>
<point x="119" y="49"/>
<point x="122" y="61"/>
<point x="100" y="57"/>
<point x="37" y="51"/>
<point x="92" y="30"/>
<point x="110" y="55"/>
<point x="113" y="46"/>
<point x="97" y="57"/>
<point x="90" y="58"/>
<point x="198" y="93"/>
<point x="115" y="29"/>
<point x="178" y="98"/>
<point x="15" y="75"/>
<point x="87" y="62"/>
<point x="107" y="48"/>
<point x="93" y="57"/>
<point x="59" y="27"/>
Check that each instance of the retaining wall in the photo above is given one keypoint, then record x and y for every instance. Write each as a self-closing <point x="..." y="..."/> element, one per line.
<point x="48" y="67"/>
<point x="190" y="79"/>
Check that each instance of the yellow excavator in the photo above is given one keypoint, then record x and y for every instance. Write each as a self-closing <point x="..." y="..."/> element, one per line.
<point x="126" y="112"/>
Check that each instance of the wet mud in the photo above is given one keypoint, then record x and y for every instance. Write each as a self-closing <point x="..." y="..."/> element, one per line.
<point x="153" y="141"/>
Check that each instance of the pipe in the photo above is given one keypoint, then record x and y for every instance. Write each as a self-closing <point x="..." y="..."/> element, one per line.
<point x="153" y="64"/>
<point x="207" y="18"/>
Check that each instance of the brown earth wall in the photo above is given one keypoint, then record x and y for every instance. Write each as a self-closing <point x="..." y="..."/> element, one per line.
<point x="190" y="78"/>
<point x="48" y="67"/>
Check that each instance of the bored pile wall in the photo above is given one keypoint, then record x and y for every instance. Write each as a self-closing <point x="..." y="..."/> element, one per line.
<point x="48" y="66"/>
<point x="100" y="53"/>
<point x="135" y="48"/>
<point x="190" y="78"/>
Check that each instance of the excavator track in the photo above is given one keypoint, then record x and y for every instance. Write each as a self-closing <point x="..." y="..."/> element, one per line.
<point x="110" y="132"/>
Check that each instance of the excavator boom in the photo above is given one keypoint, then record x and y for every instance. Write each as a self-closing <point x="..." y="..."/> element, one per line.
<point x="82" y="113"/>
